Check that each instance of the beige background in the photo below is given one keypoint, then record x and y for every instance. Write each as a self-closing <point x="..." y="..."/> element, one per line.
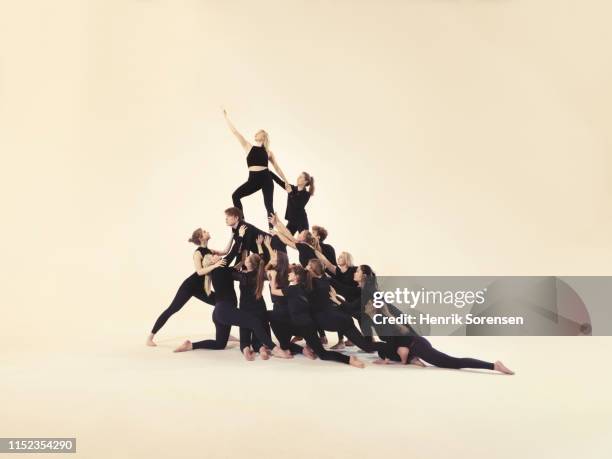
<point x="475" y="133"/>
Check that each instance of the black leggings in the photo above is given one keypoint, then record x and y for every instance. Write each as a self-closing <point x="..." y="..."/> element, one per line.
<point x="283" y="330"/>
<point x="334" y="320"/>
<point x="247" y="337"/>
<point x="260" y="180"/>
<point x="190" y="287"/>
<point x="312" y="339"/>
<point x="227" y="314"/>
<point x="423" y="349"/>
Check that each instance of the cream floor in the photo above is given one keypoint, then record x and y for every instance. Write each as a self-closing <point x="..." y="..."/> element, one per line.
<point x="124" y="400"/>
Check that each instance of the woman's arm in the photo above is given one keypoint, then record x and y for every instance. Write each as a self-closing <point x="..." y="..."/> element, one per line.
<point x="328" y="264"/>
<point x="280" y="226"/>
<point x="202" y="269"/>
<point x="259" y="242"/>
<point x="246" y="145"/>
<point x="287" y="240"/>
<point x="279" y="181"/>
<point x="272" y="159"/>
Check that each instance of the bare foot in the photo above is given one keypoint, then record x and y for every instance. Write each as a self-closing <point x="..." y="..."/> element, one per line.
<point x="309" y="353"/>
<point x="233" y="338"/>
<point x="264" y="353"/>
<point x="418" y="362"/>
<point x="338" y="346"/>
<point x="324" y="340"/>
<point x="150" y="341"/>
<point x="278" y="352"/>
<point x="348" y="343"/>
<point x="296" y="339"/>
<point x="354" y="361"/>
<point x="186" y="346"/>
<point x="248" y="354"/>
<point x="502" y="368"/>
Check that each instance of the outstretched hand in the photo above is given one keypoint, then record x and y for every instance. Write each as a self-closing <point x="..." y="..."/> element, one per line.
<point x="288" y="188"/>
<point x="259" y="240"/>
<point x="268" y="241"/>
<point x="242" y="230"/>
<point x="225" y="113"/>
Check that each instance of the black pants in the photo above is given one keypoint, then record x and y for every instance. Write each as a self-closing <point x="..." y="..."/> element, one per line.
<point x="283" y="330"/>
<point x="247" y="337"/>
<point x="334" y="320"/>
<point x="424" y="350"/>
<point x="227" y="314"/>
<point x="190" y="287"/>
<point x="260" y="180"/>
<point x="354" y="311"/>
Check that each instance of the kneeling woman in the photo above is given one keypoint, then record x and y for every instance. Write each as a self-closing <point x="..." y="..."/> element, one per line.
<point x="401" y="348"/>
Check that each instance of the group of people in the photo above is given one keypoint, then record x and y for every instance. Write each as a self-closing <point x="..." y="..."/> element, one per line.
<point x="322" y="293"/>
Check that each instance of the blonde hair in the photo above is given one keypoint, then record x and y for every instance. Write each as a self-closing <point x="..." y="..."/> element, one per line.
<point x="266" y="142"/>
<point x="348" y="258"/>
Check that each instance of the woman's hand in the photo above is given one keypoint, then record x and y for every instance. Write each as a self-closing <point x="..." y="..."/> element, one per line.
<point x="259" y="240"/>
<point x="273" y="219"/>
<point x="221" y="262"/>
<point x="268" y="241"/>
<point x="225" y="113"/>
<point x="288" y="188"/>
<point x="242" y="230"/>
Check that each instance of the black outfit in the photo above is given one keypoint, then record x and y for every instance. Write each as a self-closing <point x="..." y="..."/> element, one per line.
<point x="192" y="286"/>
<point x="300" y="323"/>
<point x="306" y="252"/>
<point x="250" y="303"/>
<point x="227" y="314"/>
<point x="345" y="285"/>
<point x="295" y="214"/>
<point x="329" y="252"/>
<point x="280" y="321"/>
<point x="422" y="348"/>
<point x="248" y="243"/>
<point x="331" y="318"/>
<point x="258" y="180"/>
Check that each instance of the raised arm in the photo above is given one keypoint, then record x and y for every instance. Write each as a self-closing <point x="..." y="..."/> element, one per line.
<point x="273" y="288"/>
<point x="328" y="264"/>
<point x="282" y="232"/>
<point x="245" y="145"/>
<point x="271" y="251"/>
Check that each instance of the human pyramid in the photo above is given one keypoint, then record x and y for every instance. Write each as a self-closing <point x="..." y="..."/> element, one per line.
<point x="321" y="293"/>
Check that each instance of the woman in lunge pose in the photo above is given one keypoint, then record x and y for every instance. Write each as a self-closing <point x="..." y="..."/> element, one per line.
<point x="260" y="177"/>
<point x="227" y="314"/>
<point x="297" y="198"/>
<point x="193" y="285"/>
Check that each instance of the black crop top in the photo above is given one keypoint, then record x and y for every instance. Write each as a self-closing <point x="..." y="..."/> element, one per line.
<point x="258" y="156"/>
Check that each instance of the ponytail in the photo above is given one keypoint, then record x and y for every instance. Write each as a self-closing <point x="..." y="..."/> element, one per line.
<point x="309" y="183"/>
<point x="261" y="276"/>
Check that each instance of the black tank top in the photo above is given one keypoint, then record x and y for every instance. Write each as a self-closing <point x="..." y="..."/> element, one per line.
<point x="258" y="156"/>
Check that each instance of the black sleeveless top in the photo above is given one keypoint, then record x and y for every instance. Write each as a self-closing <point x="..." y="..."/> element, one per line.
<point x="258" y="156"/>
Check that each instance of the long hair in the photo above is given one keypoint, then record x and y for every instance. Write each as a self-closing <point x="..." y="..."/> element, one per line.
<point x="282" y="268"/>
<point x="309" y="182"/>
<point x="370" y="284"/>
<point x="260" y="268"/>
<point x="304" y="277"/>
